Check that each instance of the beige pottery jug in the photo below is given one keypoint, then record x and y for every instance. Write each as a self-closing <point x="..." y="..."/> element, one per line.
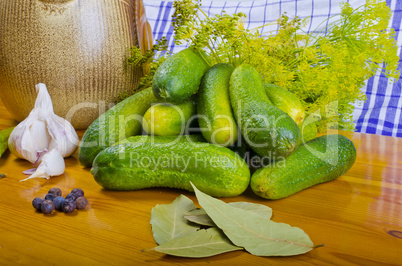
<point x="78" y="48"/>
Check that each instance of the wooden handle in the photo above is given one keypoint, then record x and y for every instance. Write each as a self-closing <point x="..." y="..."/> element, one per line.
<point x="144" y="31"/>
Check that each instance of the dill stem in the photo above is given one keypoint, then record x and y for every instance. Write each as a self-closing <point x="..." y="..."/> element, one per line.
<point x="267" y="24"/>
<point x="202" y="11"/>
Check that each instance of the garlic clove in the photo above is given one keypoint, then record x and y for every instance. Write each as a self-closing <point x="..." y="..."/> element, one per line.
<point x="29" y="171"/>
<point x="63" y="136"/>
<point x="43" y="130"/>
<point x="39" y="128"/>
<point x="39" y="157"/>
<point x="39" y="173"/>
<point x="22" y="145"/>
<point x="52" y="165"/>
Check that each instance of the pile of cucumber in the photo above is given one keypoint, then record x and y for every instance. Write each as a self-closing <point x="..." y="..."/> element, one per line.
<point x="196" y="118"/>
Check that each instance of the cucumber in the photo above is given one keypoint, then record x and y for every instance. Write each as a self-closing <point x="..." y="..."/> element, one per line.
<point x="4" y="135"/>
<point x="320" y="160"/>
<point x="308" y="129"/>
<point x="213" y="169"/>
<point x="216" y="119"/>
<point x="166" y="119"/>
<point x="179" y="76"/>
<point x="163" y="139"/>
<point x="286" y="101"/>
<point x="121" y="121"/>
<point x="269" y="131"/>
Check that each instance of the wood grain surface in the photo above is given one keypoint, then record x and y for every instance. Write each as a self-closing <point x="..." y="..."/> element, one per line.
<point x="358" y="217"/>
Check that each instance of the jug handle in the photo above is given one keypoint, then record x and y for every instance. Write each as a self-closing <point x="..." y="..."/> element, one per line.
<point x="144" y="31"/>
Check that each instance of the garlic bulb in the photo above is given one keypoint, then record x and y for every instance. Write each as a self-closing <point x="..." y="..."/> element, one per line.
<point x="52" y="165"/>
<point x="42" y="131"/>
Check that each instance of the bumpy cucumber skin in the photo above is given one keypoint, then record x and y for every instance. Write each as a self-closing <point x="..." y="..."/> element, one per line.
<point x="177" y="78"/>
<point x="215" y="112"/>
<point x="303" y="169"/>
<point x="280" y="134"/>
<point x="165" y="119"/>
<point x="133" y="166"/>
<point x="308" y="130"/>
<point x="286" y="101"/>
<point x="105" y="130"/>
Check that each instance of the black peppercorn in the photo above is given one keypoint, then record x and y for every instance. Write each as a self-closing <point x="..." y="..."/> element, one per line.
<point x="58" y="202"/>
<point x="47" y="206"/>
<point x="69" y="206"/>
<point x="37" y="202"/>
<point x="77" y="191"/>
<point x="55" y="191"/>
<point x="71" y="196"/>
<point x="81" y="202"/>
<point x="50" y="197"/>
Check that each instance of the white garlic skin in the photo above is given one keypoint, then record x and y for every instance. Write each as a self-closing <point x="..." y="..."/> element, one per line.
<point x="42" y="130"/>
<point x="52" y="165"/>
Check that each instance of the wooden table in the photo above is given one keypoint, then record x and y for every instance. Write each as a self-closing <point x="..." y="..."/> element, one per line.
<point x="358" y="217"/>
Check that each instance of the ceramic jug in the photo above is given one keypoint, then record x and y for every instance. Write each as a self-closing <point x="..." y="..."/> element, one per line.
<point x="78" y="48"/>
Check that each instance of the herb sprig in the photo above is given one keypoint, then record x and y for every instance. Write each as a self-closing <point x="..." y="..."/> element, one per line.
<point x="148" y="63"/>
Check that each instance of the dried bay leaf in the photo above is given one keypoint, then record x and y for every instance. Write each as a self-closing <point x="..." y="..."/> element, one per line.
<point x="168" y="220"/>
<point x="199" y="216"/>
<point x="259" y="236"/>
<point x="203" y="243"/>
<point x="259" y="209"/>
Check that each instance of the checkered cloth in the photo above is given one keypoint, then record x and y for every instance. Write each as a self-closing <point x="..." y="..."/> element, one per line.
<point x="380" y="114"/>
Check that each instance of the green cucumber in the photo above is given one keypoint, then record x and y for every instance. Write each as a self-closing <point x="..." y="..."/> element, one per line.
<point x="179" y="76"/>
<point x="320" y="160"/>
<point x="166" y="119"/>
<point x="308" y="129"/>
<point x="286" y="101"/>
<point x="4" y="135"/>
<point x="163" y="139"/>
<point x="269" y="131"/>
<point x="119" y="122"/>
<point x="213" y="169"/>
<point x="216" y="119"/>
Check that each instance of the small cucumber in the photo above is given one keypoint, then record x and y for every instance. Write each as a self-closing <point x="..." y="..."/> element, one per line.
<point x="4" y="135"/>
<point x="166" y="119"/>
<point x="286" y="101"/>
<point x="163" y="139"/>
<point x="119" y="122"/>
<point x="317" y="161"/>
<point x="179" y="76"/>
<point x="216" y="119"/>
<point x="214" y="169"/>
<point x="268" y="130"/>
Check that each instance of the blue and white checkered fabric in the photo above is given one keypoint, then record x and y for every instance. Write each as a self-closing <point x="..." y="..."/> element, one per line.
<point x="380" y="114"/>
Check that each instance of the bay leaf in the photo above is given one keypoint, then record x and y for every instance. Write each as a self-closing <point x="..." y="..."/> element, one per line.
<point x="259" y="209"/>
<point x="168" y="220"/>
<point x="200" y="216"/>
<point x="259" y="236"/>
<point x="203" y="243"/>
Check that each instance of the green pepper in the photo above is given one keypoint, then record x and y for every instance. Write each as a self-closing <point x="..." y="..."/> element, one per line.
<point x="4" y="134"/>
